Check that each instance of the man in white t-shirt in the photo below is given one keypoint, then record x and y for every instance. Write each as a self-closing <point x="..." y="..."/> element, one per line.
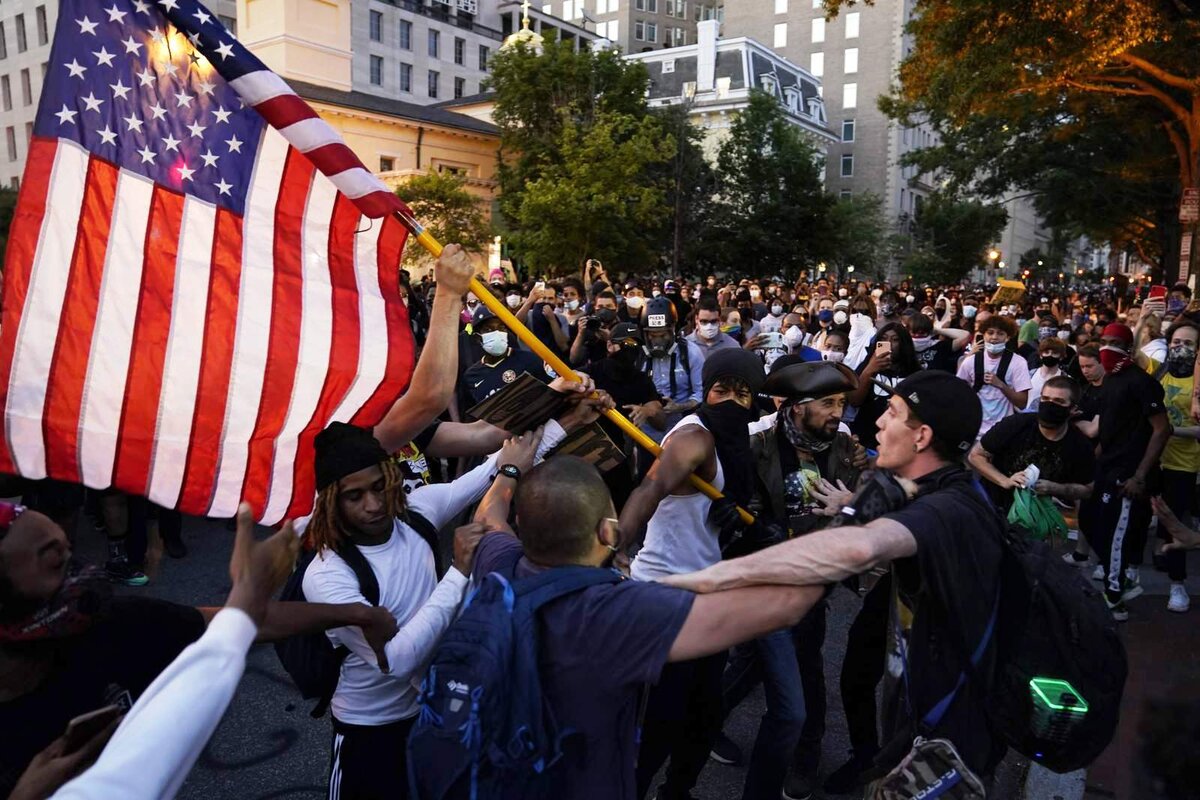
<point x="1000" y="377"/>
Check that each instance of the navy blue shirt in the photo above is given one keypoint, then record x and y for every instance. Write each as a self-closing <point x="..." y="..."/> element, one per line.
<point x="599" y="648"/>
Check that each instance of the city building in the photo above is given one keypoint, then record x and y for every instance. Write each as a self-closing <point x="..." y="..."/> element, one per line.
<point x="26" y="29"/>
<point x="639" y="26"/>
<point x="713" y="79"/>
<point x="856" y="56"/>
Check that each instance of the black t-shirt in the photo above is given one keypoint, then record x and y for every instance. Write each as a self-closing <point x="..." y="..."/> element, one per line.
<point x="482" y="380"/>
<point x="1127" y="399"/>
<point x="939" y="355"/>
<point x="627" y="387"/>
<point x="1016" y="441"/>
<point x="942" y="600"/>
<point x="112" y="663"/>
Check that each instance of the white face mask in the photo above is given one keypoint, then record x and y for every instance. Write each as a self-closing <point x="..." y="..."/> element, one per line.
<point x="571" y="305"/>
<point x="842" y="292"/>
<point x="513" y="300"/>
<point x="709" y="330"/>
<point x="995" y="348"/>
<point x="1064" y="335"/>
<point x="495" y="343"/>
<point x="656" y="293"/>
<point x="839" y="317"/>
<point x="794" y="336"/>
<point x="776" y="310"/>
<point x="635" y="302"/>
<point x="834" y="356"/>
<point x="969" y="312"/>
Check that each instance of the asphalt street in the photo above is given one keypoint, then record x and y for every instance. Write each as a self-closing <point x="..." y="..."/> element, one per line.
<point x="268" y="746"/>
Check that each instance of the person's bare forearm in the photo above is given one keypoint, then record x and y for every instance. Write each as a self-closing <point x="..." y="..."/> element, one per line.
<point x="1158" y="441"/>
<point x="433" y="380"/>
<point x="981" y="460"/>
<point x="1070" y="491"/>
<point x="286" y="619"/>
<point x="494" y="507"/>
<point x="823" y="557"/>
<point x="465" y="439"/>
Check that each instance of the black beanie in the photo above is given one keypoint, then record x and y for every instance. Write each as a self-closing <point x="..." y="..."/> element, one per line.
<point x="733" y="362"/>
<point x="343" y="450"/>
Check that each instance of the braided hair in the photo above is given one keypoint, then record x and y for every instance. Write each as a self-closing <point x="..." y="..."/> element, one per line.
<point x="324" y="528"/>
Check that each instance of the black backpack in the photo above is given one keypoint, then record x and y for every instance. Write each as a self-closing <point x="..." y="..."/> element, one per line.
<point x="311" y="660"/>
<point x="1056" y="642"/>
<point x="1001" y="370"/>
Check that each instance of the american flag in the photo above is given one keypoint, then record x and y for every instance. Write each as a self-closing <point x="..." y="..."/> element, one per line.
<point x="200" y="274"/>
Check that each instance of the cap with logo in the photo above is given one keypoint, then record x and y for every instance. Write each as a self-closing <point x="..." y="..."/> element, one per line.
<point x="623" y="332"/>
<point x="944" y="402"/>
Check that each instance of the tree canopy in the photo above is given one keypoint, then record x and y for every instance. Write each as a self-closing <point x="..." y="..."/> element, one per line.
<point x="951" y="238"/>
<point x="448" y="210"/>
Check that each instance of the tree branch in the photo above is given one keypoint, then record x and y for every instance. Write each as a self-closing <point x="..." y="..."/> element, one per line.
<point x="1186" y="167"/>
<point x="1189" y="85"/>
<point x="1144" y="90"/>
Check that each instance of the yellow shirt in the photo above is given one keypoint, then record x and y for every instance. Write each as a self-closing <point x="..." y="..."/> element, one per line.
<point x="1182" y="454"/>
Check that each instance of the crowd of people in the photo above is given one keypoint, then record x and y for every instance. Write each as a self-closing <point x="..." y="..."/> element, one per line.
<point x="802" y="403"/>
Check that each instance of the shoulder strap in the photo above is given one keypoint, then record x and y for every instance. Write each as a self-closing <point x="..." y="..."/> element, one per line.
<point x="1005" y="363"/>
<point x="537" y="590"/>
<point x="671" y="373"/>
<point x="367" y="582"/>
<point x="1160" y="371"/>
<point x="426" y="531"/>
<point x="978" y="370"/>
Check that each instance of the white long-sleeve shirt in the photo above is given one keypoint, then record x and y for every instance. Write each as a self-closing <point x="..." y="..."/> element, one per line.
<point x="409" y="589"/>
<point x="161" y="737"/>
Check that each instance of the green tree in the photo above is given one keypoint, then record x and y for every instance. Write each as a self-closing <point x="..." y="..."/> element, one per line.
<point x="770" y="213"/>
<point x="860" y="235"/>
<point x="1004" y="64"/>
<point x="576" y="138"/>
<point x="951" y="237"/>
<point x="451" y="213"/>
<point x="8" y="204"/>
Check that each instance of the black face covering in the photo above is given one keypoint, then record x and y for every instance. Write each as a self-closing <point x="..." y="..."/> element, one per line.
<point x="1053" y="414"/>
<point x="1050" y="361"/>
<point x="626" y="358"/>
<point x="727" y="423"/>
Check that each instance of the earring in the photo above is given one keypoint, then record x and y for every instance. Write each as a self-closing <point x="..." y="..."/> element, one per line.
<point x="916" y="449"/>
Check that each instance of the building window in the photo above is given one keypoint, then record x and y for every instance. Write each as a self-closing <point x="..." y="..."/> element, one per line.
<point x="460" y="87"/>
<point x="847" y="130"/>
<point x="484" y="52"/>
<point x="376" y="26"/>
<point x="432" y="86"/>
<point x="3" y="42"/>
<point x="652" y="32"/>
<point x="434" y="40"/>
<point x="377" y="70"/>
<point x="229" y="22"/>
<point x="781" y="6"/>
<point x="639" y="30"/>
<point x="406" y="77"/>
<point x="818" y="4"/>
<point x="816" y="64"/>
<point x="852" y="25"/>
<point x="845" y="194"/>
<point x="43" y="31"/>
<point x="15" y="183"/>
<point x="850" y="95"/>
<point x="26" y="88"/>
<point x="405" y="35"/>
<point x="818" y="30"/>
<point x="601" y="6"/>
<point x="386" y="163"/>
<point x="609" y="31"/>
<point x="22" y="45"/>
<point x="28" y="133"/>
<point x="460" y="51"/>
<point x="6" y="92"/>
<point x="11" y="133"/>
<point x="780" y="34"/>
<point x="650" y="6"/>
<point x="847" y="166"/>
<point x="851" y="65"/>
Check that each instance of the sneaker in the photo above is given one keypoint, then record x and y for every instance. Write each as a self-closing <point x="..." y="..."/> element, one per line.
<point x="1077" y="559"/>
<point x="848" y="777"/>
<point x="1179" y="601"/>
<point x="1130" y="590"/>
<point x="119" y="570"/>
<point x="1098" y="573"/>
<point x="174" y="546"/>
<point x="1119" y="611"/>
<point x="724" y="751"/>
<point x="797" y="787"/>
<point x="1133" y="575"/>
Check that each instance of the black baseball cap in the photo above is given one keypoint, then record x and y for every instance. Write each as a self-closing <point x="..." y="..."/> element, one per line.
<point x="944" y="402"/>
<point x="624" y="331"/>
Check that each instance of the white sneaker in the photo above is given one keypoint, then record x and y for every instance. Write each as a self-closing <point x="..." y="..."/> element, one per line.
<point x="1082" y="563"/>
<point x="1133" y="575"/>
<point x="1179" y="601"/>
<point x="1098" y="573"/>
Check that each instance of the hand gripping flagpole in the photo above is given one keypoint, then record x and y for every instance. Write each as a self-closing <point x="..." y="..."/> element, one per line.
<point x="426" y="240"/>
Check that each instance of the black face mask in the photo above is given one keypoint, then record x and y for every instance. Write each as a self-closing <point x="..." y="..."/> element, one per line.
<point x="626" y="357"/>
<point x="727" y="422"/>
<point x="1053" y="414"/>
<point x="1050" y="361"/>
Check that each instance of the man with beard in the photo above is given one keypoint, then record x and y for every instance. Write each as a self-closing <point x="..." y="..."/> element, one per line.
<point x="673" y="364"/>
<point x="795" y="461"/>
<point x="683" y="715"/>
<point x="68" y="648"/>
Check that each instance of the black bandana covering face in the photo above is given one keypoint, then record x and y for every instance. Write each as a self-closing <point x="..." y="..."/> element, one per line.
<point x="728" y="423"/>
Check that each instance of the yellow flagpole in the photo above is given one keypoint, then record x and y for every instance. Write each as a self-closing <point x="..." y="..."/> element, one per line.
<point x="426" y="240"/>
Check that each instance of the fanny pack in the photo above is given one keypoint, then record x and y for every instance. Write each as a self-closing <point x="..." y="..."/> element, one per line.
<point x="933" y="768"/>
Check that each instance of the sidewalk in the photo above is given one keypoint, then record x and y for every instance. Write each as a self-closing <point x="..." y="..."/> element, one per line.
<point x="1164" y="662"/>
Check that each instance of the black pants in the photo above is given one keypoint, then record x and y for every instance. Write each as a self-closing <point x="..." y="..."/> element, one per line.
<point x="1116" y="527"/>
<point x="1178" y="489"/>
<point x="683" y="718"/>
<point x="809" y="636"/>
<point x="862" y="668"/>
<point x="369" y="762"/>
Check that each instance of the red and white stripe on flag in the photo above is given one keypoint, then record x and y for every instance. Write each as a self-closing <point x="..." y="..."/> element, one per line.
<point x="173" y="349"/>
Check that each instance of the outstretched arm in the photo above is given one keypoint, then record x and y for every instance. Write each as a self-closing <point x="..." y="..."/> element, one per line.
<point x="685" y="451"/>
<point x="721" y="620"/>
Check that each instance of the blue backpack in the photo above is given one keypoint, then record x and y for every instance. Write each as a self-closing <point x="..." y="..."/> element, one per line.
<point x="483" y="731"/>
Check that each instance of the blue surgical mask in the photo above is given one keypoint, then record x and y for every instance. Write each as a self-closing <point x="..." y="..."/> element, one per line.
<point x="825" y="315"/>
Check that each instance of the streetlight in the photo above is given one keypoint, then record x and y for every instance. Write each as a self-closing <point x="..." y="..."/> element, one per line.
<point x="850" y="269"/>
<point x="1040" y="262"/>
<point x="993" y="254"/>
<point x="1001" y="265"/>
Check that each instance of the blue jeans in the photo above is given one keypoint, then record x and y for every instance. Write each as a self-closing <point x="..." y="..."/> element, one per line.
<point x="773" y="658"/>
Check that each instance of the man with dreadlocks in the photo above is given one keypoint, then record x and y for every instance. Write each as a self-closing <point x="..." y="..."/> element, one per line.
<point x="363" y="513"/>
<point x="684" y="710"/>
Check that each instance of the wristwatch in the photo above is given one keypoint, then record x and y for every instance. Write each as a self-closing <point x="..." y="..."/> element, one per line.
<point x="509" y="471"/>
